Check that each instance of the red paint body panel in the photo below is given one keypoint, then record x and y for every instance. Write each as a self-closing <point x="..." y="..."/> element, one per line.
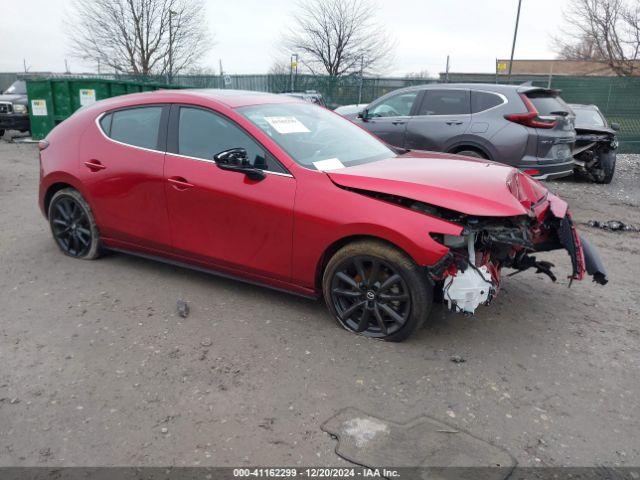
<point x="277" y="230"/>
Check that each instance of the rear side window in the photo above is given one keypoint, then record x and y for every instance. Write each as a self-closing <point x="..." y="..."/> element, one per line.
<point x="105" y="123"/>
<point x="136" y="126"/>
<point x="202" y="134"/>
<point x="481" y="101"/>
<point x="547" y="104"/>
<point x="445" y="102"/>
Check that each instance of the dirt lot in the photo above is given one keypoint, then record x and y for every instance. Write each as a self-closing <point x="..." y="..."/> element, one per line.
<point x="98" y="368"/>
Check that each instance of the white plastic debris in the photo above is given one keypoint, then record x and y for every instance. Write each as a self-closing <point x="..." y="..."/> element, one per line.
<point x="465" y="291"/>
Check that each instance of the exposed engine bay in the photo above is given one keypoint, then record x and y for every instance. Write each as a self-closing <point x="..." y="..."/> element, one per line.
<point x="470" y="274"/>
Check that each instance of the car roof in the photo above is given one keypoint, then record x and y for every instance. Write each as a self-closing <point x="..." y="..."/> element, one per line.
<point x="491" y="87"/>
<point x="230" y="98"/>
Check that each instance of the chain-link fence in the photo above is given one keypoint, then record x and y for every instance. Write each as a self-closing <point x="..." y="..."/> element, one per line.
<point x="617" y="97"/>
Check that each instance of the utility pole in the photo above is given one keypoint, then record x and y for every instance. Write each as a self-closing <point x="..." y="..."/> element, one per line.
<point x="171" y="14"/>
<point x="513" y="46"/>
<point x="293" y="69"/>
<point x="361" y="79"/>
<point x="221" y="73"/>
<point x="24" y="64"/>
<point x="66" y="66"/>
<point x="446" y="71"/>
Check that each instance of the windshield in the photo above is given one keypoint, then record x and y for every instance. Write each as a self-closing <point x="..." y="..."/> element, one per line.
<point x="589" y="118"/>
<point x="315" y="137"/>
<point x="19" y="87"/>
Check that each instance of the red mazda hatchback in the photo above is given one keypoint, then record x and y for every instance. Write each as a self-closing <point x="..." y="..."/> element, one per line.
<point x="277" y="191"/>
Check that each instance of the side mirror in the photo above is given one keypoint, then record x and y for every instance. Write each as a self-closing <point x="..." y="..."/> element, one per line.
<point x="615" y="126"/>
<point x="364" y="114"/>
<point x="236" y="160"/>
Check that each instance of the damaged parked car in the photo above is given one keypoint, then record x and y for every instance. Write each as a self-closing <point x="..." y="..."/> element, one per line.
<point x="594" y="153"/>
<point x="280" y="192"/>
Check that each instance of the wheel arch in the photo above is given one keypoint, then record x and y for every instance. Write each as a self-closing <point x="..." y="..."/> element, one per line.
<point x="470" y="144"/>
<point x="51" y="191"/>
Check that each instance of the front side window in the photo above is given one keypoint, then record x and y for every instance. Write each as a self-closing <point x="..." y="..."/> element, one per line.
<point x="395" y="106"/>
<point x="137" y="126"/>
<point x="445" y="102"/>
<point x="202" y="134"/>
<point x="315" y="137"/>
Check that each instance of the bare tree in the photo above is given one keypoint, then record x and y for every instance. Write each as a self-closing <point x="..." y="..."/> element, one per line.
<point x="339" y="37"/>
<point x="140" y="36"/>
<point x="420" y="75"/>
<point x="606" y="31"/>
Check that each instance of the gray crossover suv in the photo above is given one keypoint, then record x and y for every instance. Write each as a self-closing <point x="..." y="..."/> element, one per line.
<point x="528" y="127"/>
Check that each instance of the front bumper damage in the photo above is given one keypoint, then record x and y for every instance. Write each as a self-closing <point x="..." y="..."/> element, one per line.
<point x="470" y="274"/>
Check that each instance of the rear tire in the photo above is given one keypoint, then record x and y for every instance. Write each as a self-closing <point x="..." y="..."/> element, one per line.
<point x="1" y="133"/>
<point x="375" y="290"/>
<point x="72" y="225"/>
<point x="607" y="168"/>
<point x="471" y="153"/>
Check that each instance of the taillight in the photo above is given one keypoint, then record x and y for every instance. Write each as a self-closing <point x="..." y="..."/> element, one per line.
<point x="42" y="144"/>
<point x="531" y="118"/>
<point x="532" y="171"/>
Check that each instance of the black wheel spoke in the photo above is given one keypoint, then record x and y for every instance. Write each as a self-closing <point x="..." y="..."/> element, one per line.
<point x="348" y="280"/>
<point x="395" y="316"/>
<point x="347" y="293"/>
<point x="62" y="210"/>
<point x="373" y="273"/>
<point x="389" y="282"/>
<point x="363" y="324"/>
<point x="379" y="319"/>
<point x="347" y="313"/>
<point x="393" y="297"/>
<point x="360" y="269"/>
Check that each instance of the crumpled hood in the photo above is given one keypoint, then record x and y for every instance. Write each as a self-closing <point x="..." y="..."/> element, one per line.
<point x="474" y="187"/>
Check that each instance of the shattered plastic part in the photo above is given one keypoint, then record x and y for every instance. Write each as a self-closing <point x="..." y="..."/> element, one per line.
<point x="466" y="291"/>
<point x="594" y="265"/>
<point x="570" y="240"/>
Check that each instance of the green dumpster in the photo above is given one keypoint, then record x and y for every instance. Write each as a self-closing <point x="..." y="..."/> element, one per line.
<point x="53" y="99"/>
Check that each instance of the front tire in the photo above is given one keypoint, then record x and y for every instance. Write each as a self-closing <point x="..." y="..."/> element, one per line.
<point x="72" y="225"/>
<point x="471" y="153"/>
<point x="375" y="290"/>
<point x="607" y="167"/>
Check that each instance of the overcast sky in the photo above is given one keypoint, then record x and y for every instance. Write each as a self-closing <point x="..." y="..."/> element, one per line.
<point x="247" y="33"/>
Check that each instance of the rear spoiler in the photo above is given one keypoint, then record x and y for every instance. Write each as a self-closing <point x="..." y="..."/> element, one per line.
<point x="528" y="87"/>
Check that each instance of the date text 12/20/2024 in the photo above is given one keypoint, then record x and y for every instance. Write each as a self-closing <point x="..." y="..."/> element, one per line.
<point x="315" y="472"/>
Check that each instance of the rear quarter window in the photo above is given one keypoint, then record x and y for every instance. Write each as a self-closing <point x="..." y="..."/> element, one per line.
<point x="481" y="101"/>
<point x="138" y="126"/>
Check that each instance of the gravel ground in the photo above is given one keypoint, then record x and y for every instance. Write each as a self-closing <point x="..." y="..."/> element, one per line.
<point x="99" y="369"/>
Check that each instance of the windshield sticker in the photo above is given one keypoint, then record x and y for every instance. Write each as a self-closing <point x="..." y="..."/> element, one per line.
<point x="286" y="125"/>
<point x="328" y="164"/>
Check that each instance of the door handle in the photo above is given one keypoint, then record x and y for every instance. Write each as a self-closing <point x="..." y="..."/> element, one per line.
<point x="455" y="122"/>
<point x="179" y="183"/>
<point x="94" y="165"/>
<point x="399" y="122"/>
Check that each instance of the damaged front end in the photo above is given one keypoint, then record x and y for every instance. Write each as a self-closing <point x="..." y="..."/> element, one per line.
<point x="470" y="273"/>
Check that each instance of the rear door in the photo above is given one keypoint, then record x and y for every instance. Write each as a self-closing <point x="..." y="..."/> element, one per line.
<point x="122" y="169"/>
<point x="388" y="118"/>
<point x="443" y="115"/>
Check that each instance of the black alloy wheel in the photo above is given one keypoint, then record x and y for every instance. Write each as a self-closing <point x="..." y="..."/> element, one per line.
<point x="72" y="225"/>
<point x="370" y="297"/>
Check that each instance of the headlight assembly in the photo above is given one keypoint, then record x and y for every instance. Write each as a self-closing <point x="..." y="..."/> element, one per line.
<point x="19" y="108"/>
